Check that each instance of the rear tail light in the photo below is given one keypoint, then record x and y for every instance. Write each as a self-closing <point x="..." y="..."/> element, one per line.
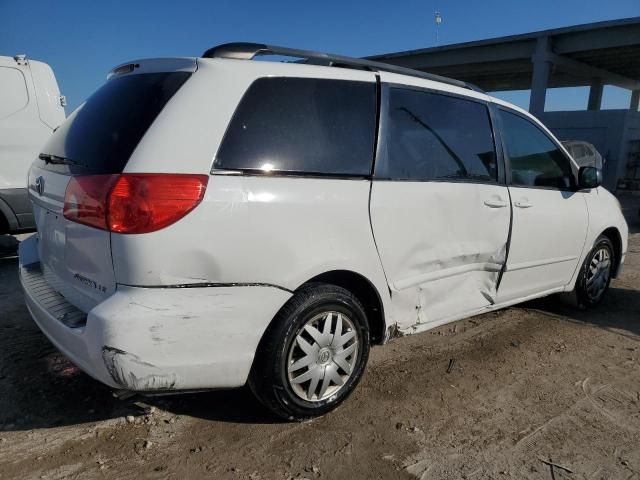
<point x="142" y="203"/>
<point x="132" y="202"/>
<point x="86" y="199"/>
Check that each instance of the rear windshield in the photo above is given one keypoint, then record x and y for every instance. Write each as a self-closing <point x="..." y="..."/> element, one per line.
<point x="100" y="136"/>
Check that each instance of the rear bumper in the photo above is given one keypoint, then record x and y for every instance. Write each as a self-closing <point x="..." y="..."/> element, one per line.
<point x="158" y="339"/>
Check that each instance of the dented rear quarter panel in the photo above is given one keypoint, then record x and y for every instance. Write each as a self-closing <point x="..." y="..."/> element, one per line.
<point x="259" y="229"/>
<point x="180" y="338"/>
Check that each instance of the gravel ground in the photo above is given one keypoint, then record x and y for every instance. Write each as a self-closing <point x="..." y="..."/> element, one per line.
<point x="541" y="391"/>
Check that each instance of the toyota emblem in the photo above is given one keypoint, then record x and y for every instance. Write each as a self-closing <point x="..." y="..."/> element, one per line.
<point x="40" y="185"/>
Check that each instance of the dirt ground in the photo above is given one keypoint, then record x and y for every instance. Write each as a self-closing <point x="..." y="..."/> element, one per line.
<point x="540" y="391"/>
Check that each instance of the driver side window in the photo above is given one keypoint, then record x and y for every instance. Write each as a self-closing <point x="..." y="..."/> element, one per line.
<point x="534" y="159"/>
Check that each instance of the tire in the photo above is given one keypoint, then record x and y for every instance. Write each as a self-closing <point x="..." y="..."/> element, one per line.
<point x="595" y="274"/>
<point x="4" y="224"/>
<point x="314" y="356"/>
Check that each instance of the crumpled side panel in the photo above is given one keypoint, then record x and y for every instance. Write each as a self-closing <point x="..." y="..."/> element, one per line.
<point x="429" y="302"/>
<point x="131" y="373"/>
<point x="442" y="247"/>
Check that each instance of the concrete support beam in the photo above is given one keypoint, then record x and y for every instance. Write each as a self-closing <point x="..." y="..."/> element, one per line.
<point x="635" y="100"/>
<point x="540" y="78"/>
<point x="595" y="94"/>
<point x="626" y="33"/>
<point x="581" y="69"/>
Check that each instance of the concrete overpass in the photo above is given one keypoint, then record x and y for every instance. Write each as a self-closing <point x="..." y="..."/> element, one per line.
<point x="584" y="55"/>
<point x="593" y="55"/>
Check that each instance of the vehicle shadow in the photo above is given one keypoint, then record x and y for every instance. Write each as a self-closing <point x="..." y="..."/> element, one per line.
<point x="618" y="311"/>
<point x="232" y="406"/>
<point x="631" y="209"/>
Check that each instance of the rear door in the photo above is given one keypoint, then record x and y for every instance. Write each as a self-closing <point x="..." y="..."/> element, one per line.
<point x="440" y="214"/>
<point x="96" y="140"/>
<point x="550" y="216"/>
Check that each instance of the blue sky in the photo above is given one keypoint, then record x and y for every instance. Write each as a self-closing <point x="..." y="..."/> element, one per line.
<point x="83" y="39"/>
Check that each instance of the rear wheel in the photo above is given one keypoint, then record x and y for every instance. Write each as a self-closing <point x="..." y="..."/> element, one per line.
<point x="595" y="274"/>
<point x="314" y="353"/>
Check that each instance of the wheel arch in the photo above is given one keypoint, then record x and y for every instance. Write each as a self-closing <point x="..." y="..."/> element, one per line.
<point x="4" y="225"/>
<point x="8" y="221"/>
<point x="613" y="234"/>
<point x="365" y="291"/>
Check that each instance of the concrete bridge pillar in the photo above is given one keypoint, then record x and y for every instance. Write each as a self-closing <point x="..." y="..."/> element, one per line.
<point x="595" y="94"/>
<point x="635" y="100"/>
<point x="540" y="78"/>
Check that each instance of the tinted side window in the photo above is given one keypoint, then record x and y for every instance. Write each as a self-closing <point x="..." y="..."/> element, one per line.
<point x="437" y="137"/>
<point x="535" y="160"/>
<point x="100" y="136"/>
<point x="302" y="125"/>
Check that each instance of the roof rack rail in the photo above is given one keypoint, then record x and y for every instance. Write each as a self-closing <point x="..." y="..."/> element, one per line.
<point x="247" y="51"/>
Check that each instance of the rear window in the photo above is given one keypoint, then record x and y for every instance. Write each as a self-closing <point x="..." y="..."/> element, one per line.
<point x="100" y="136"/>
<point x="317" y="126"/>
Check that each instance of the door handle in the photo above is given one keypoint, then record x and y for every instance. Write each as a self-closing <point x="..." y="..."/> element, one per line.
<point x="495" y="203"/>
<point x="523" y="204"/>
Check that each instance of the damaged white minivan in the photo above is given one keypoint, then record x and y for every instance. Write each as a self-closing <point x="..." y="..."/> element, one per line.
<point x="214" y="222"/>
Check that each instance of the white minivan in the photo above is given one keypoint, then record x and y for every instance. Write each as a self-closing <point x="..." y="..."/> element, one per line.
<point x="211" y="222"/>
<point x="31" y="107"/>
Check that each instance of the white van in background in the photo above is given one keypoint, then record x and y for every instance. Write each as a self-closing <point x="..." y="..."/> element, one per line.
<point x="584" y="153"/>
<point x="31" y="107"/>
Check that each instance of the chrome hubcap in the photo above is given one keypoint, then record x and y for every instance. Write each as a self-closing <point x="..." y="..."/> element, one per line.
<point x="322" y="356"/>
<point x="598" y="273"/>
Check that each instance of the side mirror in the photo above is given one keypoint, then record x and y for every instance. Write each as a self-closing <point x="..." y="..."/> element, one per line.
<point x="589" y="177"/>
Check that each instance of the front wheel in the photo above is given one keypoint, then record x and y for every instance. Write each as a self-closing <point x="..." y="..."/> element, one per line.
<point x="313" y="354"/>
<point x="595" y="274"/>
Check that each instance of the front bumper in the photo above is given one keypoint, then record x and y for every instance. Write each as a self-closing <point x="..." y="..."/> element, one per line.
<point x="158" y="339"/>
